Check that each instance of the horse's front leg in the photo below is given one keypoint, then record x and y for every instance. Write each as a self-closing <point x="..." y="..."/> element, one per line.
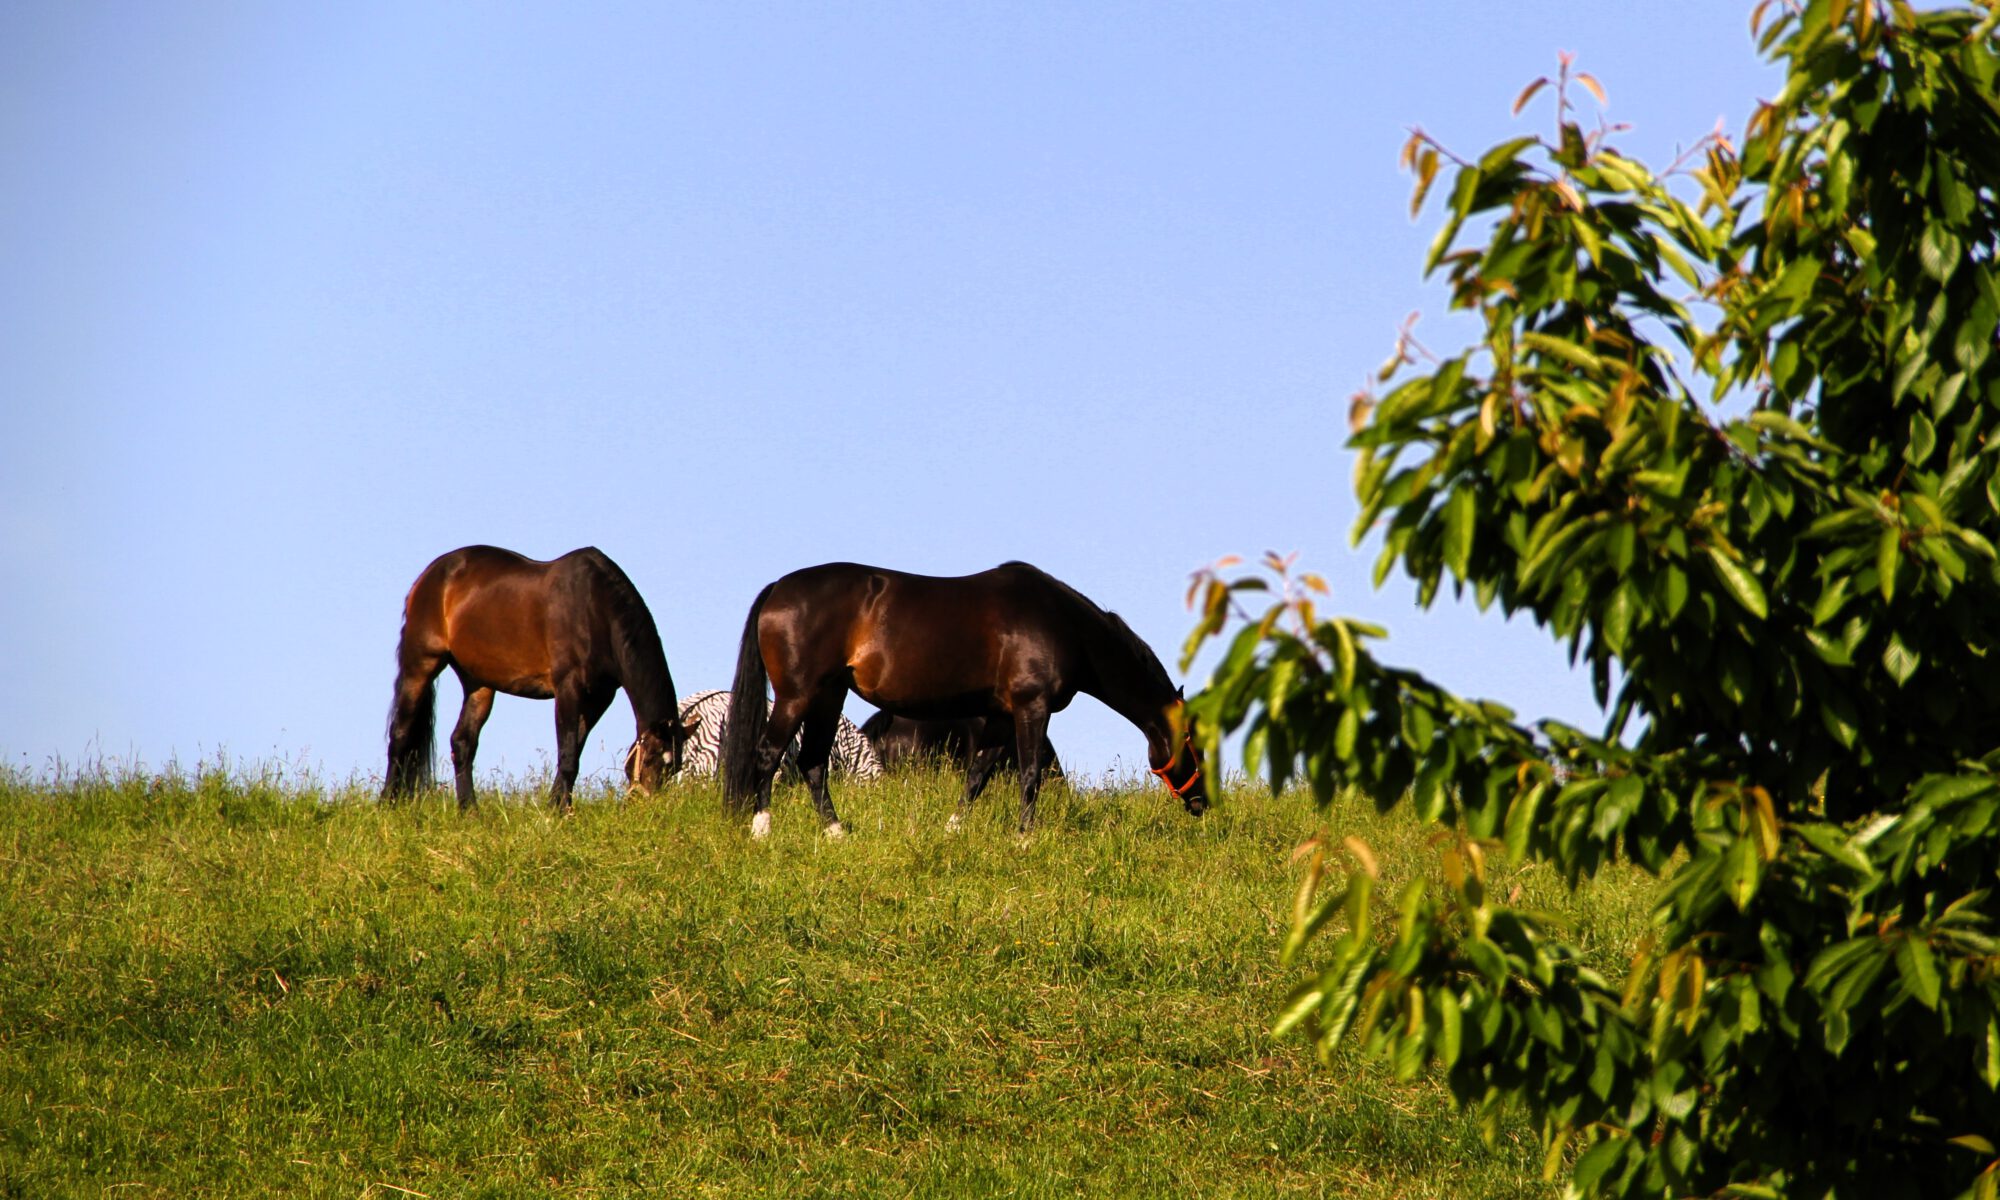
<point x="577" y="713"/>
<point x="465" y="741"/>
<point x="1031" y="727"/>
<point x="980" y="764"/>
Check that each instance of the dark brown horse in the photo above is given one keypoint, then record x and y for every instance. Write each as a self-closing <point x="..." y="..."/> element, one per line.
<point x="910" y="739"/>
<point x="574" y="630"/>
<point x="1010" y="645"/>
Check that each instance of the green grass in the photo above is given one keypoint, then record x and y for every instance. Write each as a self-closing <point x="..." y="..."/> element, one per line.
<point x="226" y="987"/>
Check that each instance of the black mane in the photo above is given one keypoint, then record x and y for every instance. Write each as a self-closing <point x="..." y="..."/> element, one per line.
<point x="1122" y="633"/>
<point x="642" y="660"/>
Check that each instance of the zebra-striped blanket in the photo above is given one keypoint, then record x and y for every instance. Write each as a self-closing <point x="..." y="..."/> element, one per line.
<point x="708" y="715"/>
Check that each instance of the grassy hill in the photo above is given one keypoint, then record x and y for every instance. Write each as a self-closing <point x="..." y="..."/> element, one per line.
<point x="220" y="986"/>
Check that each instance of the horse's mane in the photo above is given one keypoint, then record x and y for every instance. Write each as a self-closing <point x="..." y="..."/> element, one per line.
<point x="1113" y="624"/>
<point x="642" y="660"/>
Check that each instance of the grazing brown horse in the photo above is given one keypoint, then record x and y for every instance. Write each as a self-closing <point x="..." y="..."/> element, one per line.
<point x="909" y="739"/>
<point x="574" y="630"/>
<point x="1010" y="646"/>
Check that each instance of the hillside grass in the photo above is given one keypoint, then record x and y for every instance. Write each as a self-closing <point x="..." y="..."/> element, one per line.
<point x="220" y="986"/>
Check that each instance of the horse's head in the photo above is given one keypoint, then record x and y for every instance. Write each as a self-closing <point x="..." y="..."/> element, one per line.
<point x="656" y="754"/>
<point x="1179" y="761"/>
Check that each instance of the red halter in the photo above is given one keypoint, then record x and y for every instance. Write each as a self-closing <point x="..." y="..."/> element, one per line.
<point x="1180" y="793"/>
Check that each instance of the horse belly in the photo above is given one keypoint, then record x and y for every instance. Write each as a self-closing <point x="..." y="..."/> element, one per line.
<point x="919" y="689"/>
<point x="506" y="651"/>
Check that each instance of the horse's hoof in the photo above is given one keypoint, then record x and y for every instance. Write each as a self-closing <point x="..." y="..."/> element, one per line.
<point x="953" y="825"/>
<point x="835" y="832"/>
<point x="760" y="825"/>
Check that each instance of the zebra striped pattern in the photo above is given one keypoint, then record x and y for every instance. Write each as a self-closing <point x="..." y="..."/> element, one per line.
<point x="708" y="712"/>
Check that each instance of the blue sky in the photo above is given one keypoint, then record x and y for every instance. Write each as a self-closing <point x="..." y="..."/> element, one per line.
<point x="301" y="296"/>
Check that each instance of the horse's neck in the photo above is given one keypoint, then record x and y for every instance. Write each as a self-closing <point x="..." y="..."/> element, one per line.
<point x="654" y="701"/>
<point x="642" y="669"/>
<point x="1127" y="687"/>
<point x="652" y="694"/>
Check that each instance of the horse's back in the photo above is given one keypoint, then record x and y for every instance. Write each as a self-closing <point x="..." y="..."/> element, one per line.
<point x="488" y="608"/>
<point x="469" y="570"/>
<point x="910" y="595"/>
<point x="929" y="645"/>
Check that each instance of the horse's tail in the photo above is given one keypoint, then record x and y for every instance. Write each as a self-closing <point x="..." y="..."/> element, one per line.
<point x="412" y="723"/>
<point x="749" y="711"/>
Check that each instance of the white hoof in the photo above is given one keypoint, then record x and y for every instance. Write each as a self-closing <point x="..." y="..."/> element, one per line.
<point x="835" y="832"/>
<point x="760" y="826"/>
<point x="952" y="825"/>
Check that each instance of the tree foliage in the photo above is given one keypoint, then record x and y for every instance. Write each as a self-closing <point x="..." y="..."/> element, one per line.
<point x="1729" y="432"/>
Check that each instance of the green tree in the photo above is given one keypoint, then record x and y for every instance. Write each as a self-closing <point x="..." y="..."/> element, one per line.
<point x="1792" y="614"/>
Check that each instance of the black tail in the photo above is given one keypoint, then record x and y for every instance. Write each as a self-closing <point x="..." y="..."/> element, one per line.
<point x="412" y="729"/>
<point x="749" y="710"/>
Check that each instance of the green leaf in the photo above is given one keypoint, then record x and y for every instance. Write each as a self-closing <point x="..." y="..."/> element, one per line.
<point x="1835" y="960"/>
<point x="1743" y="586"/>
<point x="1836" y="711"/>
<point x="1830" y="601"/>
<point x="1773" y="421"/>
<point x="1345" y="658"/>
<point x="1617" y="619"/>
<point x="1342" y="997"/>
<point x="1505" y="153"/>
<point x="1991" y="1068"/>
<point x="1563" y="349"/>
<point x="1923" y="439"/>
<point x="1596" y="1161"/>
<point x="1797" y="280"/>
<point x="1742" y="871"/>
<point x="1678" y="263"/>
<point x="1830" y="649"/>
<point x="1833" y="843"/>
<point x="1918" y="969"/>
<point x="1460" y="517"/>
<point x="1974" y="339"/>
<point x="1451" y="1025"/>
<point x="1298" y="1006"/>
<point x="1521" y="821"/>
<point x="1939" y="252"/>
<point x="1673" y="591"/>
<point x="1888" y="557"/>
<point x="1947" y="397"/>
<point x="1901" y="661"/>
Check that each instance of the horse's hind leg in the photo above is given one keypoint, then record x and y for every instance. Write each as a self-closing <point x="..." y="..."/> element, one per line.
<point x="786" y="716"/>
<point x="815" y="753"/>
<point x="465" y="740"/>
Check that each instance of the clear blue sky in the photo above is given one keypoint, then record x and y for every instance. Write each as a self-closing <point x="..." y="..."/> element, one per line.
<point x="300" y="296"/>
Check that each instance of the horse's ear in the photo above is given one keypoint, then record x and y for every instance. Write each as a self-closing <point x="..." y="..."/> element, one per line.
<point x="1180" y="693"/>
<point x="689" y="721"/>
